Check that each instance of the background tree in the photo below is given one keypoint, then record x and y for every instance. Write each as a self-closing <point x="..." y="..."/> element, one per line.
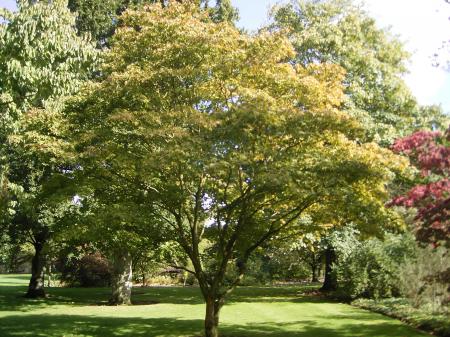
<point x="101" y="17"/>
<point x="41" y="60"/>
<point x="339" y="32"/>
<point x="109" y="222"/>
<point x="304" y="248"/>
<point x="230" y="143"/>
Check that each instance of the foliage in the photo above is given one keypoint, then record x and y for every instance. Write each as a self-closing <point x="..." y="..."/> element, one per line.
<point x="437" y="324"/>
<point x="100" y="18"/>
<point x="424" y="281"/>
<point x="221" y="138"/>
<point x="14" y="256"/>
<point x="97" y="18"/>
<point x="42" y="60"/>
<point x="372" y="268"/>
<point x="430" y="153"/>
<point x="339" y="32"/>
<point x="89" y="270"/>
<point x="296" y="256"/>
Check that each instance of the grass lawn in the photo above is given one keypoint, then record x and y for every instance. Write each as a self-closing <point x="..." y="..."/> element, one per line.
<point x="251" y="311"/>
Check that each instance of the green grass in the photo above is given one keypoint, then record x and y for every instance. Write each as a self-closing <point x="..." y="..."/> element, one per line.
<point x="251" y="311"/>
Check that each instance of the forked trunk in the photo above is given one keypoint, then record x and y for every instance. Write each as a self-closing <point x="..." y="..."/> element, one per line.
<point x="121" y="279"/>
<point x="212" y="317"/>
<point x="36" y="285"/>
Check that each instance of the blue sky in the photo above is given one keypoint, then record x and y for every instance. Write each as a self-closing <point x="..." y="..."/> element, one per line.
<point x="421" y="24"/>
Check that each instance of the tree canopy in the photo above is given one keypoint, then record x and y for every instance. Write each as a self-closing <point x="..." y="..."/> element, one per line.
<point x="340" y="32"/>
<point x="226" y="140"/>
<point x="99" y="18"/>
<point x="42" y="60"/>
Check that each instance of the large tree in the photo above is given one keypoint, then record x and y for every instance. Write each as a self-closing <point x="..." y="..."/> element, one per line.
<point x="340" y="32"/>
<point x="229" y="142"/>
<point x="41" y="60"/>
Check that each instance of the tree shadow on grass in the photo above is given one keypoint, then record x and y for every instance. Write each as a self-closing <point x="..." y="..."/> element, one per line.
<point x="78" y="325"/>
<point x="312" y="329"/>
<point x="12" y="297"/>
<point x="75" y="325"/>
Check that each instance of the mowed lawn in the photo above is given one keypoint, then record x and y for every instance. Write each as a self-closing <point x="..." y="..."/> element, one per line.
<point x="251" y="311"/>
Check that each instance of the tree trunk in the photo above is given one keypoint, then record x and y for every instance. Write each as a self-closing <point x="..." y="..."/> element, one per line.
<point x="314" y="277"/>
<point x="49" y="275"/>
<point x="314" y="265"/>
<point x="212" y="317"/>
<point x="121" y="279"/>
<point x="319" y="268"/>
<point x="330" y="282"/>
<point x="144" y="280"/>
<point x="36" y="285"/>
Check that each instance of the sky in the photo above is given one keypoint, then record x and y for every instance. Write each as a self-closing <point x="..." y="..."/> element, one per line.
<point x="421" y="24"/>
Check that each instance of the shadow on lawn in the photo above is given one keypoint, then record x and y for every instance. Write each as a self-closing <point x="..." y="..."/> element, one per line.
<point x="309" y="328"/>
<point x="76" y="325"/>
<point x="11" y="297"/>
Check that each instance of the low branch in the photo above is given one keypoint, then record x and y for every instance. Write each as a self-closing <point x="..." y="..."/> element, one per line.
<point x="182" y="268"/>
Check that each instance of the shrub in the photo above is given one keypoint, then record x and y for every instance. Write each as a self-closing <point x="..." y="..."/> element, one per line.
<point x="371" y="268"/>
<point x="90" y="270"/>
<point x="425" y="280"/>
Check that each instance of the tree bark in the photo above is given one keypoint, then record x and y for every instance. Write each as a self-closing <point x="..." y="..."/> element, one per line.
<point x="36" y="285"/>
<point x="49" y="275"/>
<point x="314" y="277"/>
<point x="212" y="317"/>
<point x="330" y="282"/>
<point x="314" y="266"/>
<point x="121" y="279"/>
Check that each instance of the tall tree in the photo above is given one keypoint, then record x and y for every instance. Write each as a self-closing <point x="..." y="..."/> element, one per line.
<point x="228" y="141"/>
<point x="339" y="32"/>
<point x="41" y="60"/>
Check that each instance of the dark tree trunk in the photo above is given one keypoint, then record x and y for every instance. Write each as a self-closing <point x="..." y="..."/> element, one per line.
<point x="314" y="277"/>
<point x="330" y="282"/>
<point x="319" y="268"/>
<point x="49" y="275"/>
<point x="144" y="280"/>
<point x="212" y="317"/>
<point x="121" y="279"/>
<point x="314" y="266"/>
<point x="36" y="285"/>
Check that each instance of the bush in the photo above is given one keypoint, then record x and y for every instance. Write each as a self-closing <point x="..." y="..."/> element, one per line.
<point x="90" y="270"/>
<point x="425" y="280"/>
<point x="371" y="269"/>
